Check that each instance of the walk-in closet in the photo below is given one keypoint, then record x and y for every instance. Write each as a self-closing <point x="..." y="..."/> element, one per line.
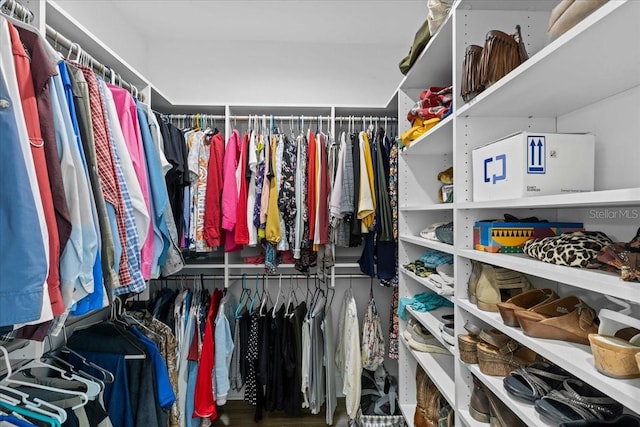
<point x="412" y="213"/>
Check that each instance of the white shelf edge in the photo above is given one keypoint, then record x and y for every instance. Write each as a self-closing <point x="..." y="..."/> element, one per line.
<point x="432" y="244"/>
<point x="621" y="197"/>
<point x="431" y="321"/>
<point x="468" y="420"/>
<point x="526" y="412"/>
<point x="431" y="207"/>
<point x="439" y="367"/>
<point x="423" y="139"/>
<point x="575" y="358"/>
<point x="591" y="280"/>
<point x="408" y="412"/>
<point x="426" y="283"/>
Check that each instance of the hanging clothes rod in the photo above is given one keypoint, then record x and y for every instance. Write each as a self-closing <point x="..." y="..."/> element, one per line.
<point x="314" y="118"/>
<point x="270" y="276"/>
<point x="366" y="118"/>
<point x="59" y="40"/>
<point x="13" y="8"/>
<point x="194" y="116"/>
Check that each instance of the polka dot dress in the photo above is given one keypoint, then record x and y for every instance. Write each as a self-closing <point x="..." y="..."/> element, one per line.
<point x="250" y="392"/>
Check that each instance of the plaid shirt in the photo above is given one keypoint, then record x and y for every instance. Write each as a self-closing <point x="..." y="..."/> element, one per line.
<point x="106" y="166"/>
<point x="132" y="244"/>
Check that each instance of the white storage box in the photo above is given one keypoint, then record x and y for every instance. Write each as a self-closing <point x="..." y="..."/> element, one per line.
<point x="533" y="164"/>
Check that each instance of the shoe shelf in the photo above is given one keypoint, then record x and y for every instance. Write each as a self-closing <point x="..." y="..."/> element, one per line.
<point x="575" y="358"/>
<point x="432" y="244"/>
<point x="431" y="321"/>
<point x="559" y="92"/>
<point x="468" y="420"/>
<point x="439" y="367"/>
<point x="426" y="283"/>
<point x="428" y="207"/>
<point x="621" y="197"/>
<point x="591" y="280"/>
<point x="525" y="411"/>
<point x="408" y="411"/>
<point x="437" y="140"/>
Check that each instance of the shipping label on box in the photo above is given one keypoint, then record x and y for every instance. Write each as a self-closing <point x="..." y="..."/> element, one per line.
<point x="533" y="164"/>
<point x="509" y="237"/>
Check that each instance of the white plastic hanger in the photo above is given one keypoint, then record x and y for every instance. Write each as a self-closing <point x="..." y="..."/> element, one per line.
<point x="275" y="306"/>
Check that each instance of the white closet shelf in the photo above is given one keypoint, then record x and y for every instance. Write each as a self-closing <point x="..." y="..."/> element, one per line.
<point x="591" y="280"/>
<point x="574" y="358"/>
<point x="408" y="411"/>
<point x="623" y="197"/>
<point x="431" y="321"/>
<point x="540" y="87"/>
<point x="428" y="63"/>
<point x="436" y="140"/>
<point x="432" y="244"/>
<point x="429" y="207"/>
<point x="424" y="282"/>
<point x="439" y="367"/>
<point x="466" y="418"/>
<point x="525" y="411"/>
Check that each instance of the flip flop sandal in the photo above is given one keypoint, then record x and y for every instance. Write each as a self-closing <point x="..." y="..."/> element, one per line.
<point x="532" y="382"/>
<point x="575" y="402"/>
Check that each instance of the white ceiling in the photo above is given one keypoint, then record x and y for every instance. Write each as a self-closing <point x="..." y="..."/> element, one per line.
<point x="390" y="22"/>
<point x="361" y="43"/>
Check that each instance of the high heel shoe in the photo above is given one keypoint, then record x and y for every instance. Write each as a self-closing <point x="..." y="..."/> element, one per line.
<point x="616" y="345"/>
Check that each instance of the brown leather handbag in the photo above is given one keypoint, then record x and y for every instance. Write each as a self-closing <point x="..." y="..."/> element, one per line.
<point x="471" y="84"/>
<point x="502" y="53"/>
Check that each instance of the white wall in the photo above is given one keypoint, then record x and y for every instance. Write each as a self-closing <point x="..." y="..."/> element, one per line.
<point x="275" y="73"/>
<point x="114" y="29"/>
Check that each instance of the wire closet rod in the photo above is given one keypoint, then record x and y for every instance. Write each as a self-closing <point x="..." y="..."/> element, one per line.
<point x="312" y="118"/>
<point x="270" y="276"/>
<point x="98" y="67"/>
<point x="13" y="8"/>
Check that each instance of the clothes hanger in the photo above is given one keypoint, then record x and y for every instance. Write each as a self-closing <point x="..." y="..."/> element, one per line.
<point x="34" y="405"/>
<point x="7" y="381"/>
<point x="265" y="296"/>
<point x="93" y="388"/>
<point x="107" y="375"/>
<point x="255" y="295"/>
<point x="32" y="408"/>
<point x="275" y="306"/>
<point x="244" y="295"/>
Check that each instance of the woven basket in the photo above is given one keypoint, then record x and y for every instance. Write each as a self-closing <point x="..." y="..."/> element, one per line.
<point x="468" y="346"/>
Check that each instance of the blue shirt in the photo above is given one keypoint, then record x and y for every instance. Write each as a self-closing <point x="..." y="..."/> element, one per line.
<point x="23" y="260"/>
<point x="158" y="192"/>
<point x="165" y="394"/>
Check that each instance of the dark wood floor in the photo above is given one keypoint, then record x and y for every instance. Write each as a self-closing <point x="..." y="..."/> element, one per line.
<point x="237" y="413"/>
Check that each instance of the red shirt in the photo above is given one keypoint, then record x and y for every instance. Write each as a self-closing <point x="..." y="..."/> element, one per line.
<point x="323" y="207"/>
<point x="213" y="201"/>
<point x="29" y="105"/>
<point x="204" y="400"/>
